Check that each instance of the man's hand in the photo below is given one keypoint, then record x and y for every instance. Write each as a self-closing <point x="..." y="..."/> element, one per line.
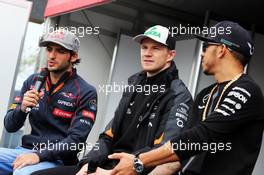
<point x="101" y="171"/>
<point x="25" y="160"/>
<point x="30" y="98"/>
<point x="83" y="170"/>
<point x="125" y="165"/>
<point x="166" y="169"/>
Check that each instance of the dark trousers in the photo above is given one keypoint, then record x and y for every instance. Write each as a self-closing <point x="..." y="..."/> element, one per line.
<point x="65" y="170"/>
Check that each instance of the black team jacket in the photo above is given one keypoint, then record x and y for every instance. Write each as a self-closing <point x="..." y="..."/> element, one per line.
<point x="144" y="120"/>
<point x="62" y="120"/>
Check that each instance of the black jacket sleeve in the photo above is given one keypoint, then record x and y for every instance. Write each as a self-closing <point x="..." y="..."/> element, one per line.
<point x="179" y="114"/>
<point x="240" y="104"/>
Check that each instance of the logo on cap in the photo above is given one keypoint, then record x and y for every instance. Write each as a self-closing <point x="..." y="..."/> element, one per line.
<point x="152" y="31"/>
<point x="251" y="49"/>
<point x="57" y="34"/>
<point x="228" y="43"/>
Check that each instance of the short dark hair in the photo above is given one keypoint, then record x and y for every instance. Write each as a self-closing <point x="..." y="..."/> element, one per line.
<point x="77" y="61"/>
<point x="240" y="57"/>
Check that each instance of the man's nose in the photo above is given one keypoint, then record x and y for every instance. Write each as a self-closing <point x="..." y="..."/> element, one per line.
<point x="148" y="52"/>
<point x="52" y="54"/>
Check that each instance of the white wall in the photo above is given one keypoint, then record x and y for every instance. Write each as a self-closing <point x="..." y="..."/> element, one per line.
<point x="13" y="14"/>
<point x="96" y="57"/>
<point x="126" y="63"/>
<point x="94" y="68"/>
<point x="184" y="59"/>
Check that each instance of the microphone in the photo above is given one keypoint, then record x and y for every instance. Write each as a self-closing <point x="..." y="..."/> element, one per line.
<point x="38" y="84"/>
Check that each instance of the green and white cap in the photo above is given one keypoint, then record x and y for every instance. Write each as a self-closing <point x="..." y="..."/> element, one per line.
<point x="159" y="34"/>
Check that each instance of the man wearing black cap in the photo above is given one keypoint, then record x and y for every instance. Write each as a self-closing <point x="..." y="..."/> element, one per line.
<point x="143" y="120"/>
<point x="227" y="140"/>
<point x="61" y="115"/>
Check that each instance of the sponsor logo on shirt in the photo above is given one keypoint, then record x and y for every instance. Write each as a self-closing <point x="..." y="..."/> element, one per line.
<point x="228" y="100"/>
<point x="150" y="124"/>
<point x="181" y="116"/>
<point x="69" y="95"/>
<point x="85" y="122"/>
<point x="62" y="113"/>
<point x="182" y="113"/>
<point x="238" y="95"/>
<point x="152" y="115"/>
<point x="228" y="108"/>
<point x="222" y="112"/>
<point x="242" y="90"/>
<point x="201" y="107"/>
<point x="88" y="114"/>
<point x="66" y="103"/>
<point x="205" y="98"/>
<point x="180" y="123"/>
<point x="182" y="110"/>
<point x="92" y="104"/>
<point x="184" y="105"/>
<point x="238" y="106"/>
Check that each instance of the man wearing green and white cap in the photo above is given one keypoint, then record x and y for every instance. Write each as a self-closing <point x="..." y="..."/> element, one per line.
<point x="142" y="120"/>
<point x="60" y="106"/>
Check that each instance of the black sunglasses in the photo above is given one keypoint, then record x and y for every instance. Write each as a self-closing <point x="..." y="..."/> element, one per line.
<point x="205" y="45"/>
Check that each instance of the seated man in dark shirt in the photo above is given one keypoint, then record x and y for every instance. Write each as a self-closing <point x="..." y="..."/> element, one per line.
<point x="61" y="115"/>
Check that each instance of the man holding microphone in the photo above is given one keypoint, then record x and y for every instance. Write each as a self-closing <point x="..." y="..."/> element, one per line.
<point x="61" y="112"/>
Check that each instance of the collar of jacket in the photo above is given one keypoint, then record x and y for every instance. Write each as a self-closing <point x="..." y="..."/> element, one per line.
<point x="64" y="78"/>
<point x="171" y="74"/>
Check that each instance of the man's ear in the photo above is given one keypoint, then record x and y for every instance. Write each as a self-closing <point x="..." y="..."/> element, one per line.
<point x="74" y="57"/>
<point x="172" y="54"/>
<point x="221" y="51"/>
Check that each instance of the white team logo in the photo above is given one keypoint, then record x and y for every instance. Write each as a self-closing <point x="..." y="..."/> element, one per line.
<point x="251" y="49"/>
<point x="238" y="96"/>
<point x="201" y="107"/>
<point x="180" y="123"/>
<point x="205" y="98"/>
<point x="238" y="106"/>
<point x="150" y="124"/>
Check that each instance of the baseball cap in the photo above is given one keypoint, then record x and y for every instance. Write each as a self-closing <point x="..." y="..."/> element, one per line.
<point x="63" y="38"/>
<point x="159" y="34"/>
<point x="237" y="39"/>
